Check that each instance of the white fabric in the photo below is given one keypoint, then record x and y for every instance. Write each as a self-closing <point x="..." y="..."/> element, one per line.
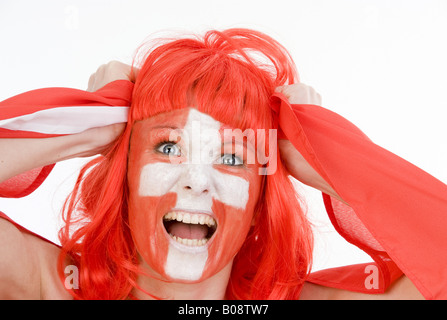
<point x="67" y="120"/>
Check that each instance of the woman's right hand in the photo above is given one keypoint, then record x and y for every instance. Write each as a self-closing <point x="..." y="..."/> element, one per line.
<point x="97" y="140"/>
<point x="106" y="73"/>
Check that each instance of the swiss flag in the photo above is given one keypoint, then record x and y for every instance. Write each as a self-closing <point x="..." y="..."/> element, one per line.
<point x="51" y="112"/>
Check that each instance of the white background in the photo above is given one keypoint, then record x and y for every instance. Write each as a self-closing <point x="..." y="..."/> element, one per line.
<point x="380" y="63"/>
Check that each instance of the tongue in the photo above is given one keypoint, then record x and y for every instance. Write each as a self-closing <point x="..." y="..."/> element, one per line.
<point x="188" y="231"/>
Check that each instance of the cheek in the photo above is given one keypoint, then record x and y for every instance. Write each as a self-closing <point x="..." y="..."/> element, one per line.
<point x="145" y="221"/>
<point x="147" y="205"/>
<point x="234" y="225"/>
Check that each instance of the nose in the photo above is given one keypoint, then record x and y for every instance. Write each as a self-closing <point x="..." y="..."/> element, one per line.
<point x="197" y="179"/>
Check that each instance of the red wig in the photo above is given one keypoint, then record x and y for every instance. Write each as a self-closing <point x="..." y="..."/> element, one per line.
<point x="232" y="75"/>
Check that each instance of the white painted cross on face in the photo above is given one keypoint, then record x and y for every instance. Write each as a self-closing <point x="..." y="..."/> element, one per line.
<point x="196" y="182"/>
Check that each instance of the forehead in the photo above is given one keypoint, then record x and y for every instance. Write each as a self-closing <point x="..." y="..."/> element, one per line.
<point x="189" y="120"/>
<point x="179" y="119"/>
<point x="172" y="119"/>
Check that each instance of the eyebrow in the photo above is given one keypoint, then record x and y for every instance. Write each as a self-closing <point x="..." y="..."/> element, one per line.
<point x="245" y="138"/>
<point x="243" y="143"/>
<point x="164" y="127"/>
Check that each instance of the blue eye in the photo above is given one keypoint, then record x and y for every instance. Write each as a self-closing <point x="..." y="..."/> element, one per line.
<point x="169" y="148"/>
<point x="231" y="160"/>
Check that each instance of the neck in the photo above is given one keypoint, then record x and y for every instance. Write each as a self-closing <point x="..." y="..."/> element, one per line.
<point x="213" y="288"/>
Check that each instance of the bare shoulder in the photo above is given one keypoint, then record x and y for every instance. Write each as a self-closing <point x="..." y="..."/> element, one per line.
<point x="28" y="266"/>
<point x="401" y="289"/>
<point x="19" y="265"/>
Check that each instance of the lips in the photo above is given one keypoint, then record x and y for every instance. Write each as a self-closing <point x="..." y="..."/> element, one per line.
<point x="190" y="229"/>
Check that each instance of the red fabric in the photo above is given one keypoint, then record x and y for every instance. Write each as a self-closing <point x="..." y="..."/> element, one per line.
<point x="397" y="211"/>
<point x="117" y="93"/>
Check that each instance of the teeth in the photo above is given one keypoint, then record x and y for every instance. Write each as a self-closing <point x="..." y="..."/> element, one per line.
<point x="190" y="242"/>
<point x="192" y="218"/>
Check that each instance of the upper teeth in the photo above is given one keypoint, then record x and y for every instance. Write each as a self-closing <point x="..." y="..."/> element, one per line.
<point x="192" y="218"/>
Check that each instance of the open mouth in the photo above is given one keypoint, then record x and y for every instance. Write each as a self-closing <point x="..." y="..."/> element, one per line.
<point x="191" y="229"/>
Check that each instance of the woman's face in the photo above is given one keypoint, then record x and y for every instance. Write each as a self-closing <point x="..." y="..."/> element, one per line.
<point x="192" y="193"/>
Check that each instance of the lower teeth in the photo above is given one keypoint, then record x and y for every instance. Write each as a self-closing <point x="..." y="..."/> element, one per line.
<point x="190" y="242"/>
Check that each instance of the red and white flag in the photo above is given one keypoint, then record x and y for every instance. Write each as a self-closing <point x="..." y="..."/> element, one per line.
<point x="50" y="112"/>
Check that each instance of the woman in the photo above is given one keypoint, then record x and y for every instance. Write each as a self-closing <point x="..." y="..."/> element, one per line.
<point x="178" y="209"/>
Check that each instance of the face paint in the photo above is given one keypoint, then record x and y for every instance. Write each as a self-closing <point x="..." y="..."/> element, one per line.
<point x="191" y="196"/>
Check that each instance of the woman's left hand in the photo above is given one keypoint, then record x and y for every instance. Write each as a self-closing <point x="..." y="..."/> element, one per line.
<point x="300" y="93"/>
<point x="298" y="167"/>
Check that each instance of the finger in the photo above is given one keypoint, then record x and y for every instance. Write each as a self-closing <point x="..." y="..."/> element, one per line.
<point x="91" y="82"/>
<point x="319" y="99"/>
<point x="133" y="74"/>
<point x="279" y="89"/>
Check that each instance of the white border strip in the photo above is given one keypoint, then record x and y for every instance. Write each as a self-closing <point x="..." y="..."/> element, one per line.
<point x="67" y="120"/>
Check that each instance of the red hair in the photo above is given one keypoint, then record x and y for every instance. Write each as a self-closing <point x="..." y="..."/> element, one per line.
<point x="232" y="75"/>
